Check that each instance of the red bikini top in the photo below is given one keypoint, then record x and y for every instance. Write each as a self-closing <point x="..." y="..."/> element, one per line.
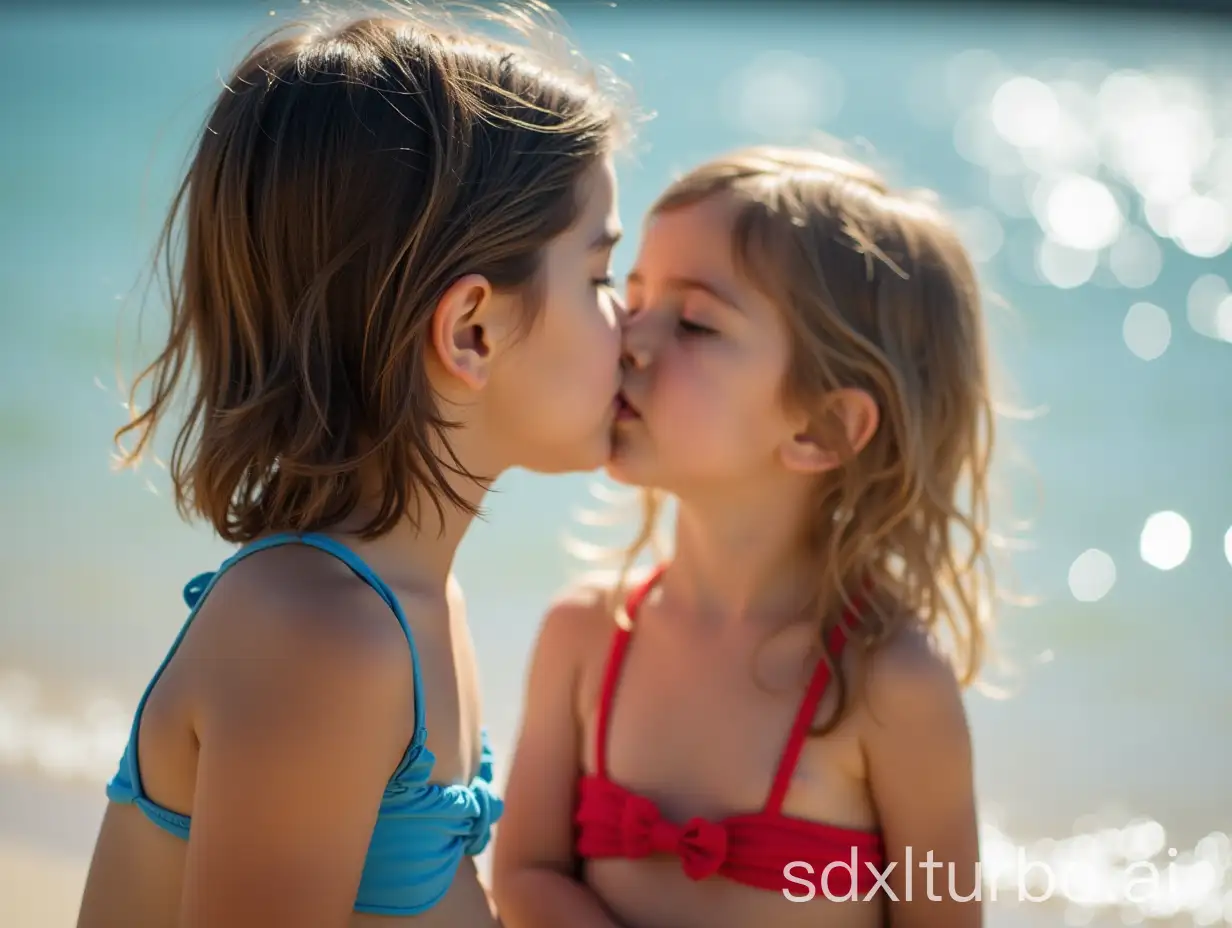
<point x="753" y="848"/>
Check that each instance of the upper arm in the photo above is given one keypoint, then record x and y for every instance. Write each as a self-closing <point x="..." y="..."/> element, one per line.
<point x="297" y="740"/>
<point x="919" y="755"/>
<point x="537" y="826"/>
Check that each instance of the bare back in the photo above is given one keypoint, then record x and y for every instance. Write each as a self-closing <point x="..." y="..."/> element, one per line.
<point x="275" y="726"/>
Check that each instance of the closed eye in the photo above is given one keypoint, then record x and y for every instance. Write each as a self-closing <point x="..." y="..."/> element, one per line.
<point x="692" y="328"/>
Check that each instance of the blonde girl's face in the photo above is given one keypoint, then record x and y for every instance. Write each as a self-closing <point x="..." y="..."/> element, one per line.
<point x="706" y="355"/>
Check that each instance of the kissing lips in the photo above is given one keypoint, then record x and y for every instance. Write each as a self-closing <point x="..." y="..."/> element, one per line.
<point x="624" y="409"/>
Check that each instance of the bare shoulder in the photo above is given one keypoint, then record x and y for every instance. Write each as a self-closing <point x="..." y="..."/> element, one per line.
<point x="577" y="615"/>
<point x="574" y="634"/>
<point x="293" y="623"/>
<point x="920" y="773"/>
<point x="309" y="602"/>
<point x="910" y="685"/>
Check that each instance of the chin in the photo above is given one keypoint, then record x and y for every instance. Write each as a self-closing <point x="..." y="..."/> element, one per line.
<point x="620" y="467"/>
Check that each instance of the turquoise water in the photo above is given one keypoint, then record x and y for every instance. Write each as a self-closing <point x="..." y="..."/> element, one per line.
<point x="1121" y="702"/>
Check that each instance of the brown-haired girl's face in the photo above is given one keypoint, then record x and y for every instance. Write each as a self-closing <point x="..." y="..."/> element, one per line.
<point x="556" y="397"/>
<point x="706" y="355"/>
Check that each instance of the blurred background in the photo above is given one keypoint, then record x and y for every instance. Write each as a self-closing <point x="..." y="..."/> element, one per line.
<point x="1086" y="153"/>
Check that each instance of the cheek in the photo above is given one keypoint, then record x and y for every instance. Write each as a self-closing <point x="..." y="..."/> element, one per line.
<point x="592" y="346"/>
<point x="696" y="404"/>
<point x="578" y="368"/>
<point x="712" y="408"/>
<point x="601" y="345"/>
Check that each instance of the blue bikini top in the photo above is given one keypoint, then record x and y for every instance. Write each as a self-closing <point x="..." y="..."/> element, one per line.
<point x="423" y="829"/>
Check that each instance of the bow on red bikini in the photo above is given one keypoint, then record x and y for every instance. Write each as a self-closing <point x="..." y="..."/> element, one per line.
<point x="700" y="844"/>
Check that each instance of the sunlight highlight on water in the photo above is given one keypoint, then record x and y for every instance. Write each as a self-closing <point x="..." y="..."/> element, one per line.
<point x="1079" y="212"/>
<point x="1131" y="870"/>
<point x="1025" y="112"/>
<point x="1147" y="330"/>
<point x="1135" y="258"/>
<point x="1165" y="541"/>
<point x="1082" y="150"/>
<point x="1092" y="575"/>
<point x="1064" y="267"/>
<point x="1209" y="307"/>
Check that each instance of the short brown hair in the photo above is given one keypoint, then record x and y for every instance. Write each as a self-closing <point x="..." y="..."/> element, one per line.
<point x="878" y="293"/>
<point x="348" y="173"/>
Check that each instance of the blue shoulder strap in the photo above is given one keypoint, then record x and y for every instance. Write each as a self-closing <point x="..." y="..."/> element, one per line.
<point x="195" y="592"/>
<point x="197" y="588"/>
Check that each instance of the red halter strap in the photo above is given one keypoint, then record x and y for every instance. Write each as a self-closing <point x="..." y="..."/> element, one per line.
<point x="615" y="660"/>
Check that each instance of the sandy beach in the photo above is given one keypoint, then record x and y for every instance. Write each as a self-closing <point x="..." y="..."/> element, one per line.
<point x="39" y="889"/>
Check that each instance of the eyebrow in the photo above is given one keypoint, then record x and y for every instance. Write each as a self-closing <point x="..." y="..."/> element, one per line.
<point x="606" y="239"/>
<point x="691" y="283"/>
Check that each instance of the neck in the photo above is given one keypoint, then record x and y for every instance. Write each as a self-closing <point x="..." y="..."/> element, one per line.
<point x="419" y="552"/>
<point x="740" y="558"/>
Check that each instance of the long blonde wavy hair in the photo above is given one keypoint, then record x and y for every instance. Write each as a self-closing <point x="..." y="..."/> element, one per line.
<point x="879" y="294"/>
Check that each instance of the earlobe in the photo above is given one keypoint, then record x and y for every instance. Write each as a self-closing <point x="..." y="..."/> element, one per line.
<point x="845" y="424"/>
<point x="805" y="453"/>
<point x="461" y="337"/>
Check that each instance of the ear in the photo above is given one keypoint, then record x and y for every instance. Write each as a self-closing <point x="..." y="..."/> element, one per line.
<point x="462" y="334"/>
<point x="831" y="436"/>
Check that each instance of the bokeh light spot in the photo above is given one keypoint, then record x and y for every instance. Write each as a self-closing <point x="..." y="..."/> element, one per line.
<point x="1064" y="267"/>
<point x="1147" y="330"/>
<point x="1165" y="540"/>
<point x="1092" y="575"/>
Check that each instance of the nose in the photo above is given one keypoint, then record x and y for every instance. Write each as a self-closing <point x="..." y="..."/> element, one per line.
<point x="635" y="352"/>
